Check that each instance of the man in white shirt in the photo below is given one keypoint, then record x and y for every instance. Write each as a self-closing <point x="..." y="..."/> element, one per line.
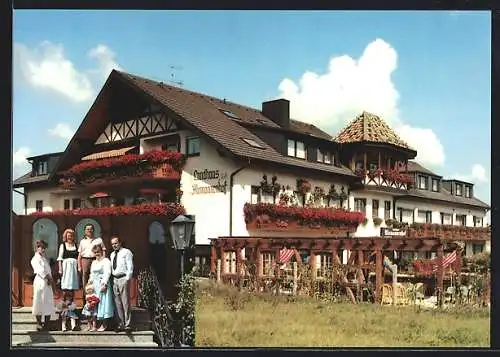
<point x="85" y="253"/>
<point x="122" y="269"/>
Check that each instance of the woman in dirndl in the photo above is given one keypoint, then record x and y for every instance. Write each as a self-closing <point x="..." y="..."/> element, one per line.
<point x="43" y="296"/>
<point x="68" y="265"/>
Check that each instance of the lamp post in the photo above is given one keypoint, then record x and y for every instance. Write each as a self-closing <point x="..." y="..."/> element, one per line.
<point x="181" y="230"/>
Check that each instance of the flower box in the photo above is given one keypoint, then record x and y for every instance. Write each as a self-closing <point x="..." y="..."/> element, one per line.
<point x="300" y="220"/>
<point x="156" y="164"/>
<point x="170" y="210"/>
<point x="448" y="231"/>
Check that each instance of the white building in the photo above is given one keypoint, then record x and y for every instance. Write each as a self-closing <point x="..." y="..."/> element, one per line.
<point x="229" y="149"/>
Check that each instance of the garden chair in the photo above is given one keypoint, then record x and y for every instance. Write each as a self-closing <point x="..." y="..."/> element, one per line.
<point x="386" y="294"/>
<point x="419" y="292"/>
<point x="401" y="295"/>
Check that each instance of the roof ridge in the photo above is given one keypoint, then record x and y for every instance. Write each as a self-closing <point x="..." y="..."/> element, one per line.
<point x="223" y="101"/>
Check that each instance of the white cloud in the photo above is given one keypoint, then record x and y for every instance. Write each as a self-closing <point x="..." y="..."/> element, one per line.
<point x="47" y="67"/>
<point x="430" y="150"/>
<point x="106" y="58"/>
<point x="62" y="131"/>
<point x="477" y="175"/>
<point x="20" y="155"/>
<point x="350" y="86"/>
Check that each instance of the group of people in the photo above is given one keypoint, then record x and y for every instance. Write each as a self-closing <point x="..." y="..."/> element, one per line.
<point x="105" y="282"/>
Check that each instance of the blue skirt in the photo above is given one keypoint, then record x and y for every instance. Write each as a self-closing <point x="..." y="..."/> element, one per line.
<point x="105" y="308"/>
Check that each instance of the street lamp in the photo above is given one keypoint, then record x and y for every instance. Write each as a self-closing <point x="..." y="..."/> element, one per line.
<point x="181" y="230"/>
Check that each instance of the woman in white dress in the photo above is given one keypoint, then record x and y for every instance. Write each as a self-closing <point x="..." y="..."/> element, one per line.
<point x="100" y="274"/>
<point x="43" y="297"/>
<point x="68" y="265"/>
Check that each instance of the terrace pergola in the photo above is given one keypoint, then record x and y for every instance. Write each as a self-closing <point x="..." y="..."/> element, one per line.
<point x="361" y="249"/>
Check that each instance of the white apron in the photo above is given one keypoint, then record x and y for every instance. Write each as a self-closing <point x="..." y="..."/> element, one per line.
<point x="43" y="297"/>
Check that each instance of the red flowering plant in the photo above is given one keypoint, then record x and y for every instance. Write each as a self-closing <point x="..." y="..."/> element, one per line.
<point x="372" y="174"/>
<point x="329" y="217"/>
<point x="396" y="176"/>
<point x="135" y="165"/>
<point x="360" y="173"/>
<point x="171" y="210"/>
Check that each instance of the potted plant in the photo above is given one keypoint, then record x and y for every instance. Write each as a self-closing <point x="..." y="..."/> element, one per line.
<point x="377" y="221"/>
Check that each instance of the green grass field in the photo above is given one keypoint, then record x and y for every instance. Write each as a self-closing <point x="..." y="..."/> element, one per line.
<point x="227" y="318"/>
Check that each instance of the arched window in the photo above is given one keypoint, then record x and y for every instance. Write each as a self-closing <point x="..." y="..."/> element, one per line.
<point x="45" y="229"/>
<point x="80" y="228"/>
<point x="156" y="233"/>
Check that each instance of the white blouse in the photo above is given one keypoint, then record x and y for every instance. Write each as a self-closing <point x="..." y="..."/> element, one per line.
<point x="41" y="266"/>
<point x="105" y="265"/>
<point x="61" y="250"/>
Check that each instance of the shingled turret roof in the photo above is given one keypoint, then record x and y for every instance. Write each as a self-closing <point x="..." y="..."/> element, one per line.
<point x="368" y="127"/>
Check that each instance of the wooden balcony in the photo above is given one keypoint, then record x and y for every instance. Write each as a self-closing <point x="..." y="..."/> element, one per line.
<point x="288" y="221"/>
<point x="449" y="232"/>
<point x="385" y="178"/>
<point x="155" y="165"/>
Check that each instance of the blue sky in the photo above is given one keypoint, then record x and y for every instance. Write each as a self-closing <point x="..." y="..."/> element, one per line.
<point x="426" y="73"/>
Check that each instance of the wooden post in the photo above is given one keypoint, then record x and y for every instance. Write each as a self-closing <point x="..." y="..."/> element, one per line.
<point x="239" y="279"/>
<point x="219" y="268"/>
<point x="379" y="160"/>
<point x="277" y="270"/>
<point x="295" y="282"/>
<point x="364" y="160"/>
<point x="213" y="259"/>
<point x="223" y="261"/>
<point x="440" y="274"/>
<point x="394" y="284"/>
<point x="379" y="277"/>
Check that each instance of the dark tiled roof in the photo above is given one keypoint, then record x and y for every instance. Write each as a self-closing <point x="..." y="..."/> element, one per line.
<point x="414" y="166"/>
<point x="28" y="179"/>
<point x="45" y="155"/>
<point x="368" y="127"/>
<point x="446" y="196"/>
<point x="204" y="113"/>
<point x="308" y="129"/>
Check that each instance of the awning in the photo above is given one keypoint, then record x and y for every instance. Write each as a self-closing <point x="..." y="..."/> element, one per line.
<point x="99" y="195"/>
<point x="108" y="154"/>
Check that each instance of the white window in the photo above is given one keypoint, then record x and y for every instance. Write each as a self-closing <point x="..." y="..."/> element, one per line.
<point x="360" y="204"/>
<point x="323" y="265"/>
<point x="405" y="215"/>
<point x="458" y="190"/>
<point x="327" y="159"/>
<point x="435" y="185"/>
<point x="255" y="195"/>
<point x="193" y="146"/>
<point x="478" y="221"/>
<point x="296" y="149"/>
<point x="268" y="259"/>
<point x="445" y="218"/>
<point x="301" y="150"/>
<point x="320" y="156"/>
<point x="230" y="262"/>
<point x="461" y="220"/>
<point x="422" y="182"/>
<point x="467" y="191"/>
<point x="43" y="168"/>
<point x="291" y="147"/>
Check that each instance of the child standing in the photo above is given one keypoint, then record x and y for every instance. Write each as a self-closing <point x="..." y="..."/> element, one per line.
<point x="90" y="308"/>
<point x="67" y="310"/>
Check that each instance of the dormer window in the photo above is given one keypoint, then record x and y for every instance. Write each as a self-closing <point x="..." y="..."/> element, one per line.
<point x="422" y="182"/>
<point x="435" y="185"/>
<point x="296" y="149"/>
<point x="467" y="192"/>
<point x="458" y="189"/>
<point x="324" y="156"/>
<point x="41" y="168"/>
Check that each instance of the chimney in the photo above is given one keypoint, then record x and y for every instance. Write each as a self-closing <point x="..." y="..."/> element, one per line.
<point x="278" y="111"/>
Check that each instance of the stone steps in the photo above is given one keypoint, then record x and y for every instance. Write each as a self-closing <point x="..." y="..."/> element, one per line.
<point x="77" y="338"/>
<point x="89" y="345"/>
<point x="24" y="332"/>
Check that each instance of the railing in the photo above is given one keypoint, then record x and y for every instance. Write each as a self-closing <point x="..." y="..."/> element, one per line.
<point x="151" y="297"/>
